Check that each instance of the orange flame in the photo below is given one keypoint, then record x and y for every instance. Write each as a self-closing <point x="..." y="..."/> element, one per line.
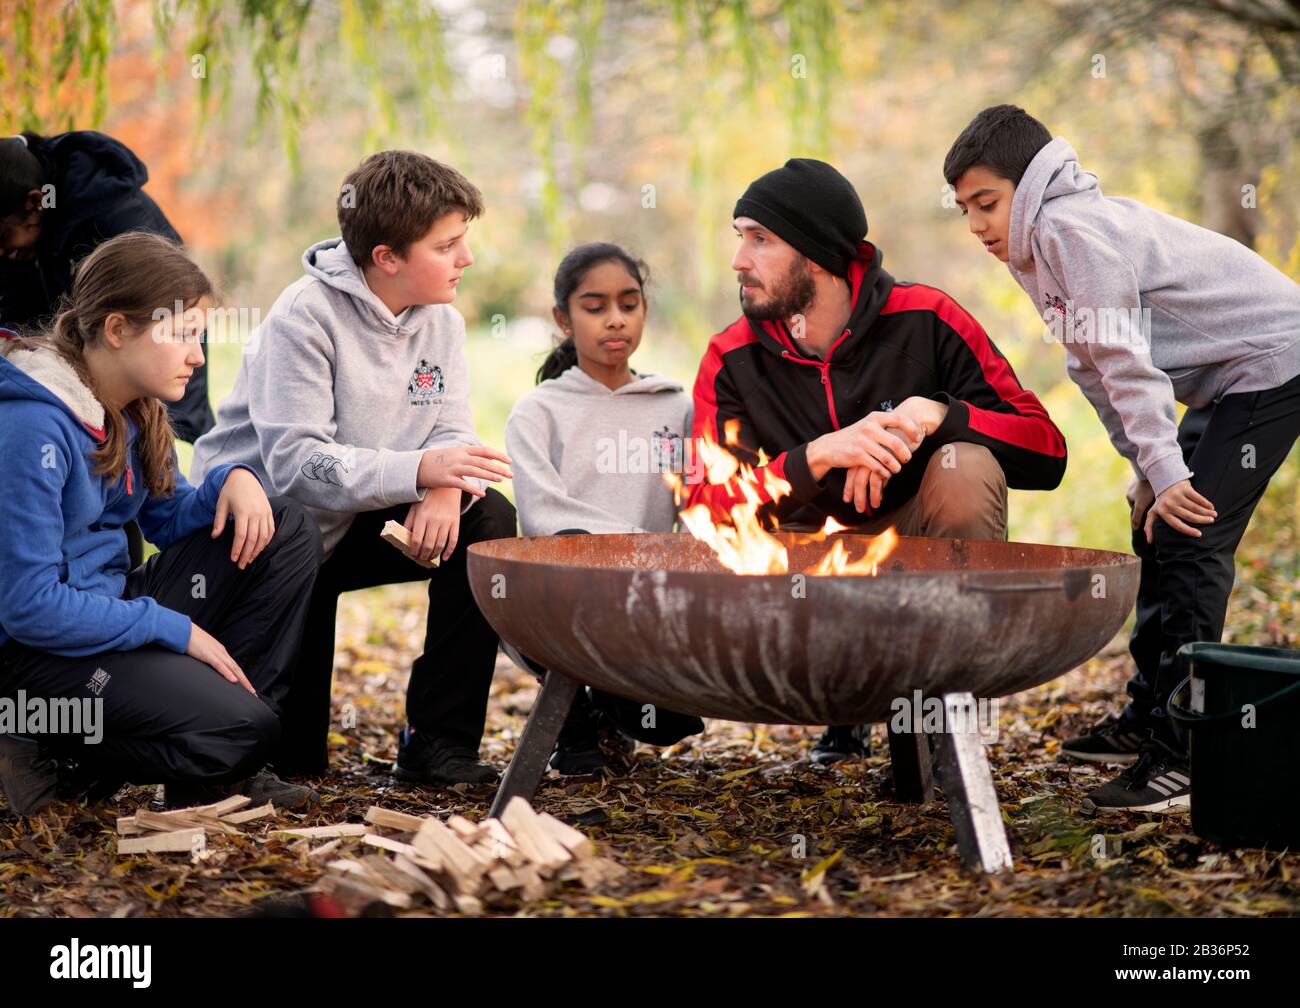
<point x="741" y="542"/>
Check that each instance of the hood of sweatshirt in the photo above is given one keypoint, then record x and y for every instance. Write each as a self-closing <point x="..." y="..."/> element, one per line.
<point x="40" y="374"/>
<point x="576" y="381"/>
<point x="869" y="287"/>
<point x="93" y="171"/>
<point x="1053" y="174"/>
<point x="331" y="263"/>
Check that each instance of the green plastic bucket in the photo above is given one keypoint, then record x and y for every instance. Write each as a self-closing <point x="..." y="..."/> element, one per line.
<point x="1241" y="706"/>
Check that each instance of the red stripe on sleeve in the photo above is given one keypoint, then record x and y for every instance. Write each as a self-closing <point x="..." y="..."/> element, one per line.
<point x="1029" y="426"/>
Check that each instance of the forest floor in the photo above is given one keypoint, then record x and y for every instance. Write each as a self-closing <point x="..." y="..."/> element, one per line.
<point x="733" y="822"/>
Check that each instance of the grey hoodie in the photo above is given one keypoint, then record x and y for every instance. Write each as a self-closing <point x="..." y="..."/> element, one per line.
<point x="1151" y="308"/>
<point x="591" y="458"/>
<point x="337" y="400"/>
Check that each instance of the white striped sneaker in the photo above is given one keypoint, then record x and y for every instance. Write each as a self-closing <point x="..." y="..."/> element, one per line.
<point x="1160" y="781"/>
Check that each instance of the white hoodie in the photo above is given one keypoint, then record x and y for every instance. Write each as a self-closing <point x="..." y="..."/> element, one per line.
<point x="585" y="457"/>
<point x="337" y="400"/>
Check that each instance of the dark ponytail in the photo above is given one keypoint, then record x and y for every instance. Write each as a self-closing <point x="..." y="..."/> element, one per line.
<point x="22" y="169"/>
<point x="573" y="267"/>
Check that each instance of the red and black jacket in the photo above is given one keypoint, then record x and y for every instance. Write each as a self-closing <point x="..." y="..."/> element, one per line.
<point x="902" y="340"/>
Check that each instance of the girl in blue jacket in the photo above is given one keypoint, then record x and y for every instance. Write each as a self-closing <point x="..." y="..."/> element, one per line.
<point x="173" y="672"/>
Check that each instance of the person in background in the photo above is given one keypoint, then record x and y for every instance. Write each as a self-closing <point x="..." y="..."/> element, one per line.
<point x="60" y="196"/>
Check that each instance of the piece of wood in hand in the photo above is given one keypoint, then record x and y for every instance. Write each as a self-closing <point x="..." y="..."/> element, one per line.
<point x="395" y="534"/>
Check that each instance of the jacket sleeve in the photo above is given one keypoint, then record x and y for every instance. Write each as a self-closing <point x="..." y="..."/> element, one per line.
<point x="455" y="424"/>
<point x="987" y="405"/>
<point x="544" y="503"/>
<point x="164" y="520"/>
<point x="37" y="607"/>
<point x="1133" y="398"/>
<point x="291" y="406"/>
<point x="717" y="402"/>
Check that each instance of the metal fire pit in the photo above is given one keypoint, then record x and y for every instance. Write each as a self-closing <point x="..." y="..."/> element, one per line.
<point x="656" y="618"/>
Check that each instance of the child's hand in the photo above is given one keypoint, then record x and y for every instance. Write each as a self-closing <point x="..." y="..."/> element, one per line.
<point x="434" y="524"/>
<point x="453" y="465"/>
<point x="1140" y="498"/>
<point x="1178" y="505"/>
<point x="243" y="498"/>
<point x="211" y="651"/>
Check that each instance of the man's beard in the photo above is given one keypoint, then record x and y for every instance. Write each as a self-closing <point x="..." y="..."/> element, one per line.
<point x="794" y="295"/>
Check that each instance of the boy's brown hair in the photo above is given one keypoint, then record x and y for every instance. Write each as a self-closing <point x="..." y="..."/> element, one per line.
<point x="394" y="197"/>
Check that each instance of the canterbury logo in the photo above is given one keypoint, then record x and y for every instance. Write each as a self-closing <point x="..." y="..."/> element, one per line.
<point x="325" y="468"/>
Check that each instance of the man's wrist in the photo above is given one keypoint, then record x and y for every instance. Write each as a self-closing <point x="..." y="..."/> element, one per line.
<point x="816" y="464"/>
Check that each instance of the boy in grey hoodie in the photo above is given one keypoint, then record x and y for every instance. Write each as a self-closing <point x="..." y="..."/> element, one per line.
<point x="353" y="399"/>
<point x="1151" y="310"/>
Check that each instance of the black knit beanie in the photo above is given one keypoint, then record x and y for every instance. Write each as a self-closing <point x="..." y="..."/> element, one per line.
<point x="811" y="206"/>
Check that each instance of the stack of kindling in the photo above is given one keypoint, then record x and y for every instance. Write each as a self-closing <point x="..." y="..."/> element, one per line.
<point x="459" y="865"/>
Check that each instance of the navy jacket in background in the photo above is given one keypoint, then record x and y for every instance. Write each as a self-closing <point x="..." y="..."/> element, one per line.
<point x="98" y="195"/>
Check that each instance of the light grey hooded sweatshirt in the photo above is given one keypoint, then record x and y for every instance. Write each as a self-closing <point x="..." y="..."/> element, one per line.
<point x="1209" y="316"/>
<point x="590" y="458"/>
<point x="337" y="399"/>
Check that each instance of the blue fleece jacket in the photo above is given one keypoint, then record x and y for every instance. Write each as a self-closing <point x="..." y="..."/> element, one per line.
<point x="63" y="549"/>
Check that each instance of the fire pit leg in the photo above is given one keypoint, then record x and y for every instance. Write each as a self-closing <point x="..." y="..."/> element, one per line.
<point x="968" y="786"/>
<point x="537" y="741"/>
<point x="909" y="758"/>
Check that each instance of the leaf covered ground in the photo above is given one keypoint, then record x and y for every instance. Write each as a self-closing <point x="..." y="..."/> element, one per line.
<point x="712" y="827"/>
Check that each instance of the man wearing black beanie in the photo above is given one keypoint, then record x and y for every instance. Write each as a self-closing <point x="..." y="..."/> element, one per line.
<point x="882" y="403"/>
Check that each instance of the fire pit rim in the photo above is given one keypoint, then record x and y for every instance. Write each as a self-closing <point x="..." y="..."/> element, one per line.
<point x="1099" y="558"/>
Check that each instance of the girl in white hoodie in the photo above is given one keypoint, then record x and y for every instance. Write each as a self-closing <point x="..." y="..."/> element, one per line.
<point x="589" y="446"/>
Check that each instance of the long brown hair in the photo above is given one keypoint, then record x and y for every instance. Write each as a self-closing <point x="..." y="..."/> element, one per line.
<point x="134" y="275"/>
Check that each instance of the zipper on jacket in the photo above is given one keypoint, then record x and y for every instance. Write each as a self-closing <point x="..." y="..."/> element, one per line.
<point x="824" y="367"/>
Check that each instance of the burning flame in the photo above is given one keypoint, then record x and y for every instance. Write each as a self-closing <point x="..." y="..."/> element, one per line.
<point x="741" y="542"/>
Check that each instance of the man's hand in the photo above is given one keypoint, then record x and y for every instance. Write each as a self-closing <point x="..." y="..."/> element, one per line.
<point x="1140" y="498"/>
<point x="863" y="485"/>
<point x="454" y="465"/>
<point x="1178" y="505"/>
<point x="434" y="524"/>
<point x="869" y="443"/>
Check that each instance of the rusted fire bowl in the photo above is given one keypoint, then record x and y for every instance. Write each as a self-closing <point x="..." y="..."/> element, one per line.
<point x="655" y="617"/>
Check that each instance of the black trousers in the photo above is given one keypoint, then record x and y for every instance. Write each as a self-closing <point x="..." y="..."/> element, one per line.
<point x="447" y="692"/>
<point x="167" y="717"/>
<point x="1233" y="448"/>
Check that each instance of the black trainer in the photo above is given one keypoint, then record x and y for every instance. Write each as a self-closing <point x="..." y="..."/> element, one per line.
<point x="264" y="786"/>
<point x="1160" y="781"/>
<point x="842" y="742"/>
<point x="587" y="740"/>
<point x="1111" y="740"/>
<point x="29" y="776"/>
<point x="425" y="759"/>
<point x="629" y="717"/>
